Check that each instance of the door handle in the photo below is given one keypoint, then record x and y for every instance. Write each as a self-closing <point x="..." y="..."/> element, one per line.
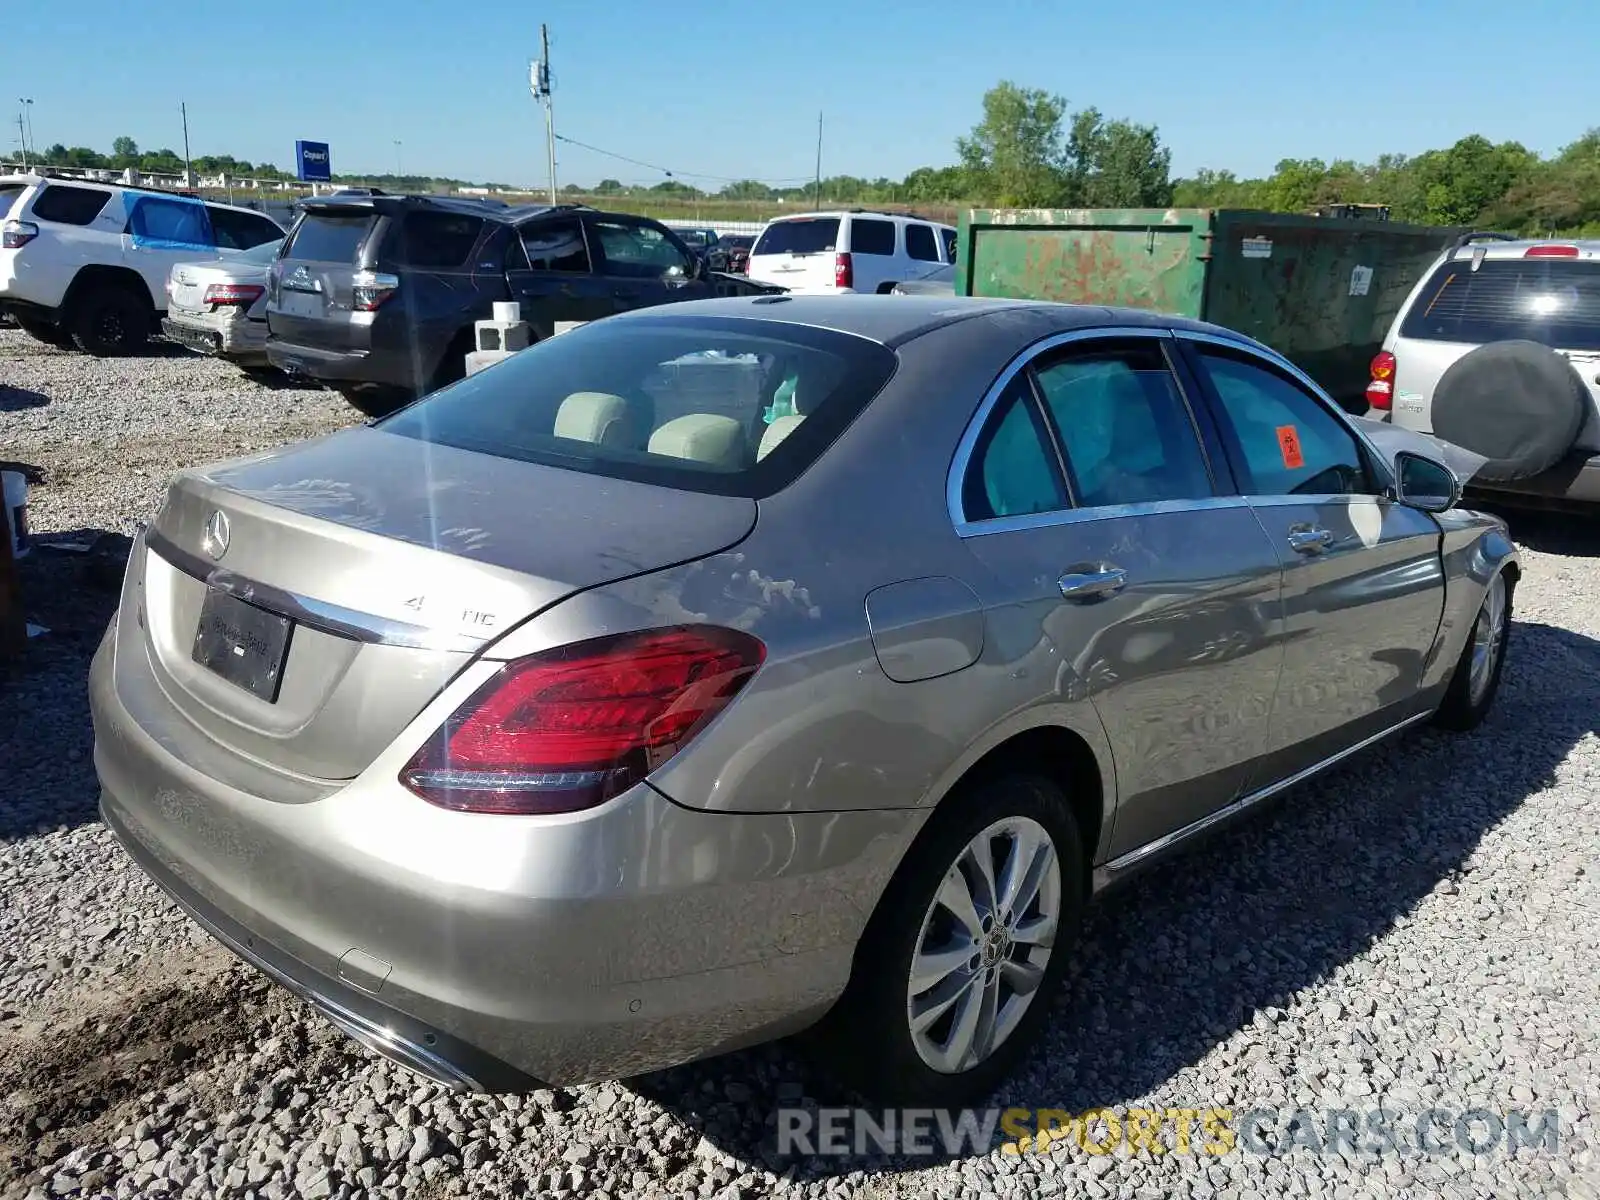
<point x="1094" y="585"/>
<point x="1310" y="541"/>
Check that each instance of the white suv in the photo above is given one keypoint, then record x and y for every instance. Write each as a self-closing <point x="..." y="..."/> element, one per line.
<point x="852" y="251"/>
<point x="86" y="264"/>
<point x="1497" y="350"/>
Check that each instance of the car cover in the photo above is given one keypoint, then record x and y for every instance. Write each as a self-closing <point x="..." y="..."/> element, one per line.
<point x="1517" y="403"/>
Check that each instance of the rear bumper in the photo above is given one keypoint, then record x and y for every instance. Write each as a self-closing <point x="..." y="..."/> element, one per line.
<point x="630" y="938"/>
<point x="227" y="336"/>
<point x="1575" y="481"/>
<point x="328" y="366"/>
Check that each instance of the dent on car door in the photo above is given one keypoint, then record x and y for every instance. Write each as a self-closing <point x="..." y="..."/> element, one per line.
<point x="1363" y="582"/>
<point x="1146" y="590"/>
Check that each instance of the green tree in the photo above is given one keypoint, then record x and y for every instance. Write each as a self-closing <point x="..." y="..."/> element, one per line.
<point x="1016" y="151"/>
<point x="125" y="150"/>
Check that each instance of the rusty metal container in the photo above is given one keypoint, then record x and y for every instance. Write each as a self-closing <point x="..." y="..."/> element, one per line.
<point x="1320" y="290"/>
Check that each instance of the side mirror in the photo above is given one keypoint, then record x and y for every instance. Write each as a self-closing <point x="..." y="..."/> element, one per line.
<point x="1424" y="483"/>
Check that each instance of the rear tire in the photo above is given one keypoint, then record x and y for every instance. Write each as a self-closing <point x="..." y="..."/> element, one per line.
<point x="868" y="1038"/>
<point x="1476" y="677"/>
<point x="44" y="331"/>
<point x="374" y="401"/>
<point x="110" y="321"/>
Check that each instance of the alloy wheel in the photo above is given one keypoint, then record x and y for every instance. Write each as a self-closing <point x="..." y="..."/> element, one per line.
<point x="984" y="944"/>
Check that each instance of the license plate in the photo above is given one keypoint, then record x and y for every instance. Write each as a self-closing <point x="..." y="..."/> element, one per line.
<point x="246" y="645"/>
<point x="299" y="304"/>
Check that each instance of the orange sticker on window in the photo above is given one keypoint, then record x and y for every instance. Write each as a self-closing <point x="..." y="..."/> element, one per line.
<point x="1289" y="445"/>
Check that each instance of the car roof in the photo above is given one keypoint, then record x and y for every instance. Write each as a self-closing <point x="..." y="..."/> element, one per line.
<point x="895" y="320"/>
<point x="1588" y="249"/>
<point x="875" y="213"/>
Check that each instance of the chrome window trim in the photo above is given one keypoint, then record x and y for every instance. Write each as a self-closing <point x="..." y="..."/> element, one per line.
<point x="307" y="610"/>
<point x="956" y="478"/>
<point x="1270" y="356"/>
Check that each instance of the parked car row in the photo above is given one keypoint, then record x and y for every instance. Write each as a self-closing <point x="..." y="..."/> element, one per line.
<point x="373" y="294"/>
<point x="87" y="265"/>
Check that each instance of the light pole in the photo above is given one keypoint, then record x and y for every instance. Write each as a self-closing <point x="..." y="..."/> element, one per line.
<point x="27" y="108"/>
<point x="397" y="171"/>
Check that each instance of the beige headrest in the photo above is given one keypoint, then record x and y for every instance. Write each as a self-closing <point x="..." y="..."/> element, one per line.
<point x="704" y="437"/>
<point x="594" y="417"/>
<point x="776" y="432"/>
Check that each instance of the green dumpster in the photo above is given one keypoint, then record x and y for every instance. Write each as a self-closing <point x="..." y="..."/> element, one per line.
<point x="1319" y="290"/>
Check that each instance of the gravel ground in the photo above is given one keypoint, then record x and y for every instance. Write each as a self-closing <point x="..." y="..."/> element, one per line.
<point x="1421" y="928"/>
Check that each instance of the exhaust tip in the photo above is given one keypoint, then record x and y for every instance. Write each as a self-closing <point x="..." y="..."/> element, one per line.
<point x="401" y="1051"/>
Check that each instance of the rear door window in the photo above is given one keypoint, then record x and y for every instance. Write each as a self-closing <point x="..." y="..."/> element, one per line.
<point x="949" y="236"/>
<point x="678" y="401"/>
<point x="871" y="237"/>
<point x="806" y="235"/>
<point x="1548" y="300"/>
<point x="69" y="205"/>
<point x="920" y="243"/>
<point x="1014" y="471"/>
<point x="436" y="240"/>
<point x="323" y="237"/>
<point x="158" y="222"/>
<point x="1123" y="424"/>
<point x="237" y="230"/>
<point x="556" y="246"/>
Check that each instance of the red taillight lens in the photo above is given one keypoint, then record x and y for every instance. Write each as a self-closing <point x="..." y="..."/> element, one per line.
<point x="844" y="273"/>
<point x="233" y="293"/>
<point x="1380" y="392"/>
<point x="16" y="234"/>
<point x="369" y="289"/>
<point x="1550" y="251"/>
<point x="571" y="728"/>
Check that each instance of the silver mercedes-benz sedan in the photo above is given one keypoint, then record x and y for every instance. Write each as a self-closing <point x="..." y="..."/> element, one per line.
<point x="722" y="670"/>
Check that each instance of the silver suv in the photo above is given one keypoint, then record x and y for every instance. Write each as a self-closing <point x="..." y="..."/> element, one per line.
<point x="1498" y="351"/>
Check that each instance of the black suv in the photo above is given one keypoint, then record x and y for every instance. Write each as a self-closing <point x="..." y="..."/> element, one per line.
<point x="376" y="295"/>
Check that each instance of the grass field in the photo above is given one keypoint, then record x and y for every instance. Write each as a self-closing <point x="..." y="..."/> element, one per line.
<point x="671" y="209"/>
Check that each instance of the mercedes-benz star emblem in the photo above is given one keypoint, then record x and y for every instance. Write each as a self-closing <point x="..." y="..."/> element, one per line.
<point x="215" y="541"/>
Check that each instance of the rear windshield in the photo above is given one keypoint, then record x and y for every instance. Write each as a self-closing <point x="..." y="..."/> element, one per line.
<point x="325" y="238"/>
<point x="8" y="196"/>
<point x="807" y="235"/>
<point x="708" y="404"/>
<point x="1541" y="299"/>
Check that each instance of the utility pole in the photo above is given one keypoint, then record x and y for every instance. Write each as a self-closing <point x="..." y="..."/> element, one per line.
<point x="817" y="200"/>
<point x="539" y="82"/>
<point x="22" y="138"/>
<point x="188" y="174"/>
<point x="398" y="173"/>
<point x="27" y="107"/>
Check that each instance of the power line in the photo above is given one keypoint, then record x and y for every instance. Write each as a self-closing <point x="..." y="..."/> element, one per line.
<point x="671" y="174"/>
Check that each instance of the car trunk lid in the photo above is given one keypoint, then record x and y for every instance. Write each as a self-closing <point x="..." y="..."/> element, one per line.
<point x="302" y="606"/>
<point x="188" y="283"/>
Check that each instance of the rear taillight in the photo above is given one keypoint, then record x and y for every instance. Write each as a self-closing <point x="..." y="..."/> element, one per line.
<point x="571" y="728"/>
<point x="369" y="289"/>
<point x="1550" y="251"/>
<point x="844" y="273"/>
<point x="16" y="234"/>
<point x="219" y="294"/>
<point x="1380" y="391"/>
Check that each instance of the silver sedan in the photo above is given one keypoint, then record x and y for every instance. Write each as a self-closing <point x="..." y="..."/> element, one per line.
<point x="729" y="669"/>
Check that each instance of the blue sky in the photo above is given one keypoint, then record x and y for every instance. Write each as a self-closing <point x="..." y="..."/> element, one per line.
<point x="718" y="89"/>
